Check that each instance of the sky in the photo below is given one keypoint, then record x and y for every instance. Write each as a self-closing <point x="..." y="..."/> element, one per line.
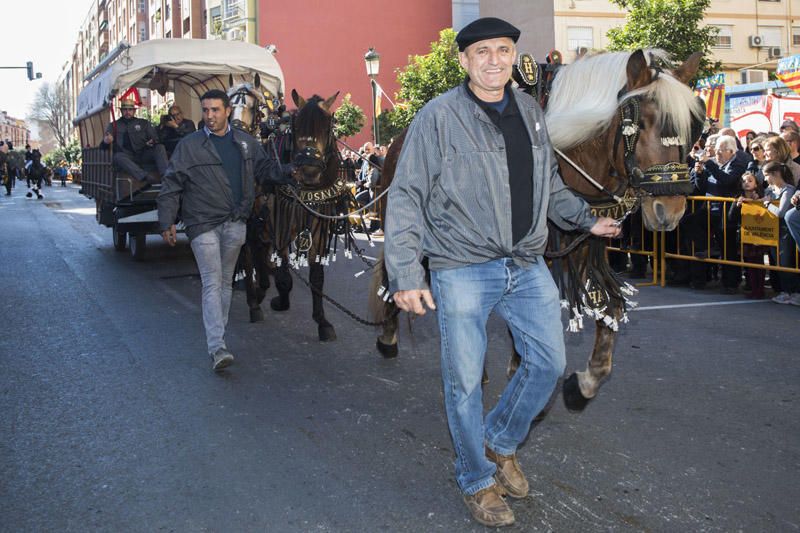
<point x="42" y="31"/>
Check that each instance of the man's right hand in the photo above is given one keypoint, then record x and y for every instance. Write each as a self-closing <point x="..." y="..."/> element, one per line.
<point x="412" y="301"/>
<point x="108" y="138"/>
<point x="170" y="236"/>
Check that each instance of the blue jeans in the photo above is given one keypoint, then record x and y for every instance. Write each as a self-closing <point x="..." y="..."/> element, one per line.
<point x="216" y="252"/>
<point x="527" y="299"/>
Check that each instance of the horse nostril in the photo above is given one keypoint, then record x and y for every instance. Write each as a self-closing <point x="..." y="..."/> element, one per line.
<point x="658" y="208"/>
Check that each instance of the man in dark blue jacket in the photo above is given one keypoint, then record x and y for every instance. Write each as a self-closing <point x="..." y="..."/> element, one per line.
<point x="212" y="176"/>
<point x="719" y="177"/>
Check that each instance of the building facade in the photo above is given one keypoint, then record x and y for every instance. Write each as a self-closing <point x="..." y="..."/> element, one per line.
<point x="15" y="130"/>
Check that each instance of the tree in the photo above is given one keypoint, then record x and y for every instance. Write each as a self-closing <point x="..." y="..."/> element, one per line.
<point x="70" y="153"/>
<point x="349" y="118"/>
<point x="672" y="25"/>
<point x="426" y="77"/>
<point x="50" y="107"/>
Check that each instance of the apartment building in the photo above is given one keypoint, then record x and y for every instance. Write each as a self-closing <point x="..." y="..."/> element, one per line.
<point x="753" y="34"/>
<point x="15" y="130"/>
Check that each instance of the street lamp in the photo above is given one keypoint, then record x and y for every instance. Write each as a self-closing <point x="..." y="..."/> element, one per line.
<point x="373" y="62"/>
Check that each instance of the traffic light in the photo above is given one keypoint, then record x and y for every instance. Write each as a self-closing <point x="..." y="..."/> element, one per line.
<point x="29" y="67"/>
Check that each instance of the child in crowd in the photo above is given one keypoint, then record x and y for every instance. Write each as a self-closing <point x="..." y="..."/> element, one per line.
<point x="752" y="253"/>
<point x="780" y="189"/>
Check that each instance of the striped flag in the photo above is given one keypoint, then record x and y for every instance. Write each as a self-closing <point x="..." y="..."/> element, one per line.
<point x="788" y="72"/>
<point x="712" y="91"/>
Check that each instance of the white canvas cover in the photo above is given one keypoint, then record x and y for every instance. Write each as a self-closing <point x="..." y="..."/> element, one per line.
<point x="194" y="64"/>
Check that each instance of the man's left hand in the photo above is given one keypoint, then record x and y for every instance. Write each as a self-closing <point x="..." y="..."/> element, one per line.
<point x="606" y="227"/>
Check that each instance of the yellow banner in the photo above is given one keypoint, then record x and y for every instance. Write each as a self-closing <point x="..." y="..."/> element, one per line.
<point x="759" y="226"/>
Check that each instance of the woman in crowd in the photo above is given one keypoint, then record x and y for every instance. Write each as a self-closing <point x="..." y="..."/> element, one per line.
<point x="781" y="189"/>
<point x="756" y="149"/>
<point x="776" y="150"/>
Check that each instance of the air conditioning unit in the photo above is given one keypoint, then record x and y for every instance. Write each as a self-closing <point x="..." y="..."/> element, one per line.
<point x="754" y="76"/>
<point x="775" y="52"/>
<point x="756" y="41"/>
<point x="236" y="34"/>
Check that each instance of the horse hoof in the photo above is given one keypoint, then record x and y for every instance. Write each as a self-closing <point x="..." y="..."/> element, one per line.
<point x="387" y="350"/>
<point x="573" y="397"/>
<point x="485" y="378"/>
<point x="276" y="304"/>
<point x="256" y="315"/>
<point x="327" y="333"/>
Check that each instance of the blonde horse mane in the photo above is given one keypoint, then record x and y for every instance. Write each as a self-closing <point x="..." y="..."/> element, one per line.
<point x="585" y="98"/>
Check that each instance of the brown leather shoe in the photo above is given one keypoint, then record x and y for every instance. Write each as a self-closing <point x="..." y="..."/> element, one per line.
<point x="489" y="508"/>
<point x="509" y="474"/>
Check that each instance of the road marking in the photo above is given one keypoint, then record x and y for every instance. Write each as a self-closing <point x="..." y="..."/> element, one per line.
<point x="704" y="304"/>
<point x="178" y="297"/>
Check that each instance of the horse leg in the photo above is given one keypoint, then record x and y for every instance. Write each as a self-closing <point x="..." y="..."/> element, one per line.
<point x="316" y="276"/>
<point x="580" y="387"/>
<point x="247" y="263"/>
<point x="387" y="340"/>
<point x="283" y="282"/>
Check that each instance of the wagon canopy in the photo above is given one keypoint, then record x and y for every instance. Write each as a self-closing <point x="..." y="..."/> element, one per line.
<point x="186" y="67"/>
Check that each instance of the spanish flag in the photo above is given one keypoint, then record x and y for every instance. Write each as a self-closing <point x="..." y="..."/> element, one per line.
<point x="788" y="72"/>
<point x="712" y="91"/>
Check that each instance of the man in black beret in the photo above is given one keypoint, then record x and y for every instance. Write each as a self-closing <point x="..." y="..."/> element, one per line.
<point x="475" y="185"/>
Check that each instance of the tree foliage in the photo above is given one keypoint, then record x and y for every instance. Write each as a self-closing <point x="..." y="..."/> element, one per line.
<point x="426" y="77"/>
<point x="349" y="118"/>
<point x="672" y="25"/>
<point x="71" y="153"/>
<point x="50" y="106"/>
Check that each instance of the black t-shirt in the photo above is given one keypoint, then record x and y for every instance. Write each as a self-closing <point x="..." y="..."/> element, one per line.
<point x="519" y="157"/>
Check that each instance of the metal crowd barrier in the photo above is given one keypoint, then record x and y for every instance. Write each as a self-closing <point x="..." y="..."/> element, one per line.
<point x="639" y="240"/>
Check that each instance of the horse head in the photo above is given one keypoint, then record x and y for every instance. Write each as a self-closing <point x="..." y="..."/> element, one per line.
<point x="633" y="130"/>
<point x="314" y="149"/>
<point x="655" y="163"/>
<point x="246" y="103"/>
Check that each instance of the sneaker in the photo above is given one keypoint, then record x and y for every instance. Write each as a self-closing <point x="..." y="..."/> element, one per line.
<point x="782" y="298"/>
<point x="794" y="299"/>
<point x="489" y="508"/>
<point x="222" y="358"/>
<point x="509" y="474"/>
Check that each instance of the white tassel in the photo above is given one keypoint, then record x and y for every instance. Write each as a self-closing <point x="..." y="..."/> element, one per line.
<point x="357" y="274"/>
<point x="381" y="290"/>
<point x="564" y="304"/>
<point x="573" y="326"/>
<point x="625" y="319"/>
<point x="371" y="244"/>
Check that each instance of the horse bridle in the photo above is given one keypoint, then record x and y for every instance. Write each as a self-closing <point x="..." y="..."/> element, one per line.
<point x="669" y="178"/>
<point x="309" y="154"/>
<point x="239" y="100"/>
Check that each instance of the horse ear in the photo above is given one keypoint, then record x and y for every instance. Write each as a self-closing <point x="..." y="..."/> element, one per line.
<point x="329" y="102"/>
<point x="688" y="69"/>
<point x="638" y="71"/>
<point x="257" y="80"/>
<point x="297" y="99"/>
<point x="230" y="81"/>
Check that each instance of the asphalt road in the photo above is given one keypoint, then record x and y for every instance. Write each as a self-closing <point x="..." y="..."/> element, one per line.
<point x="112" y="420"/>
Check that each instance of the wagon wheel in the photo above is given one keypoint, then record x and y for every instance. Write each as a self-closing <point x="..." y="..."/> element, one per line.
<point x="120" y="239"/>
<point x="138" y="243"/>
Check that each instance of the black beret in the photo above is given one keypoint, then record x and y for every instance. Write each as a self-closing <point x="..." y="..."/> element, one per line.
<point x="485" y="28"/>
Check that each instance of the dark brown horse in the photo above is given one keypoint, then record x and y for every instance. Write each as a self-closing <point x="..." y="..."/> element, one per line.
<point x="629" y="132"/>
<point x="300" y="227"/>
